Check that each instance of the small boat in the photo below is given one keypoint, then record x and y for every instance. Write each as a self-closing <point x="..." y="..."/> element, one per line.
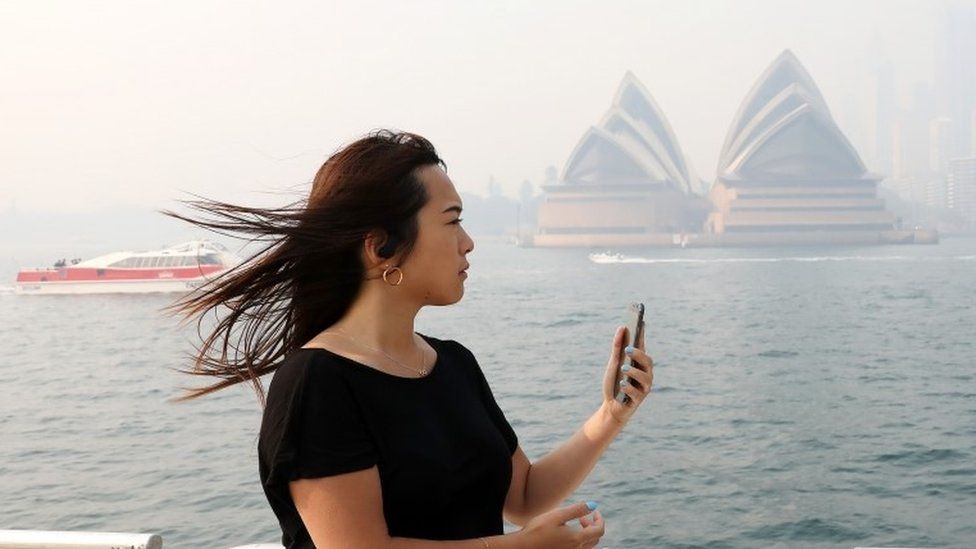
<point x="606" y="257"/>
<point x="178" y="268"/>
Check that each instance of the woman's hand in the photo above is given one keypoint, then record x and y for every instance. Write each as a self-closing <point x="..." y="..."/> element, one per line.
<point x="642" y="373"/>
<point x="549" y="530"/>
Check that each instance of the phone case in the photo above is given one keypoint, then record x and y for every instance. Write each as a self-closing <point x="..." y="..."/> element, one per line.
<point x="635" y="324"/>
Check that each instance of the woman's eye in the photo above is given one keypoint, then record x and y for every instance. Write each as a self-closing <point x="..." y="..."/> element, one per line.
<point x="456" y="221"/>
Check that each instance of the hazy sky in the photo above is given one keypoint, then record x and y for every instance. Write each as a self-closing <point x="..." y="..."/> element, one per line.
<point x="108" y="103"/>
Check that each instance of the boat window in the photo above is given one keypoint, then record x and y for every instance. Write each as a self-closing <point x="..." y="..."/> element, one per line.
<point x="124" y="263"/>
<point x="209" y="259"/>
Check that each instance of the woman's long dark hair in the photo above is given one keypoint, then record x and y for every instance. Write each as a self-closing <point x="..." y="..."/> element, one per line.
<point x="309" y="271"/>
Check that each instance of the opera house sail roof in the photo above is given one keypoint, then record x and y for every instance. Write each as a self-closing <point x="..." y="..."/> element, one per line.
<point x="627" y="176"/>
<point x="786" y="166"/>
<point x="633" y="137"/>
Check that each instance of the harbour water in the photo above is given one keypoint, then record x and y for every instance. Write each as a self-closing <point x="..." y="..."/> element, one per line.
<point x="805" y="397"/>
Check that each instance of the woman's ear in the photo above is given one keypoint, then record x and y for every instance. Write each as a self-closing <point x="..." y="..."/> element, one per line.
<point x="379" y="246"/>
<point x="371" y="248"/>
<point x="389" y="247"/>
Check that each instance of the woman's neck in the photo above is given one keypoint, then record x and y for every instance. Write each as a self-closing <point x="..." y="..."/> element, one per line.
<point x="380" y="321"/>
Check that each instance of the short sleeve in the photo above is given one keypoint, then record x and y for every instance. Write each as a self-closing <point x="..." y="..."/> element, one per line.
<point x="497" y="417"/>
<point x="312" y="426"/>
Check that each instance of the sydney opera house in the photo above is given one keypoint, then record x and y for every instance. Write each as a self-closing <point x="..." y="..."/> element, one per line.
<point x="786" y="175"/>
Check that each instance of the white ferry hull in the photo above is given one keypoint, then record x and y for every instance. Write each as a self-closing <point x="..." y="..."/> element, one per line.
<point x="114" y="287"/>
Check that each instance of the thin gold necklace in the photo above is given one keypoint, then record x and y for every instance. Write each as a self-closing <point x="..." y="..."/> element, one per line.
<point x="423" y="371"/>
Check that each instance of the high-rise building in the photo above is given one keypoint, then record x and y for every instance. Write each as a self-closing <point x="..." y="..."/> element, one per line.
<point x="961" y="189"/>
<point x="940" y="141"/>
<point x="884" y="117"/>
<point x="940" y="144"/>
<point x="956" y="74"/>
<point x="972" y="127"/>
<point x="898" y="170"/>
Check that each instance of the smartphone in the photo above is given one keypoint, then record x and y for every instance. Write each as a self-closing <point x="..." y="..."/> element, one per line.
<point x="634" y="321"/>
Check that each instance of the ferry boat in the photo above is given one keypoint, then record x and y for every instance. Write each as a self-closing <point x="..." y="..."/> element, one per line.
<point x="178" y="268"/>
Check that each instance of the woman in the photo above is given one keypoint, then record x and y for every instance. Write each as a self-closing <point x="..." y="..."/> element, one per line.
<point x="374" y="435"/>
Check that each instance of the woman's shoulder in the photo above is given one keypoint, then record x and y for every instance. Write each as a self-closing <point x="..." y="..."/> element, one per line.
<point x="304" y="364"/>
<point x="452" y="347"/>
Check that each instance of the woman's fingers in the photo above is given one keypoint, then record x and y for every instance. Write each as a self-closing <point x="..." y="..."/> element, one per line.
<point x="610" y="375"/>
<point x="617" y="344"/>
<point x="645" y="379"/>
<point x="642" y="358"/>
<point x="636" y="394"/>
<point x="595" y="531"/>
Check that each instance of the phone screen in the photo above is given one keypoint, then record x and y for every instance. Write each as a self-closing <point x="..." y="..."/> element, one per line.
<point x="634" y="322"/>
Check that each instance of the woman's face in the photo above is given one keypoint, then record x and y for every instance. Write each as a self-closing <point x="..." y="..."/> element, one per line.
<point x="435" y="267"/>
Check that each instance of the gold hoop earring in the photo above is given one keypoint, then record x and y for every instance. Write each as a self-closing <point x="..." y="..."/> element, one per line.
<point x="387" y="272"/>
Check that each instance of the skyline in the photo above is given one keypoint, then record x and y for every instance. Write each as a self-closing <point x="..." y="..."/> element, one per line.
<point x="135" y="104"/>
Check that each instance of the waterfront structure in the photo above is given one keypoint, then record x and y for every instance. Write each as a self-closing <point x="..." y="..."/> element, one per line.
<point x="627" y="182"/>
<point x="788" y="175"/>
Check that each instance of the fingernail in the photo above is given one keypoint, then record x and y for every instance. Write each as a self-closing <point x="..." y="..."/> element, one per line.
<point x="623" y="382"/>
<point x="629" y="349"/>
<point x="591" y="505"/>
<point x="625" y="368"/>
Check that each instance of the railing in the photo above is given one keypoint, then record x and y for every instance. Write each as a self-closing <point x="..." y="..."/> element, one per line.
<point x="35" y="539"/>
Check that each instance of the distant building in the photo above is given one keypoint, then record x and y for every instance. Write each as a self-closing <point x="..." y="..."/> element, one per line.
<point x="884" y="116"/>
<point x="627" y="182"/>
<point x="787" y="174"/>
<point x="955" y="75"/>
<point x="940" y="144"/>
<point x="972" y="131"/>
<point x="961" y="189"/>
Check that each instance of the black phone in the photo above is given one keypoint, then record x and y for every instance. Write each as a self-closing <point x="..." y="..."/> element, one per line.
<point x="634" y="321"/>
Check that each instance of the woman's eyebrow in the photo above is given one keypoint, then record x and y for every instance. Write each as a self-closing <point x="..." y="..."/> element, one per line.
<point x="453" y="209"/>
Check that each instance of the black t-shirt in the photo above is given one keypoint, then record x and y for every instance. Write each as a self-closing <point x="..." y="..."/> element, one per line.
<point x="442" y="446"/>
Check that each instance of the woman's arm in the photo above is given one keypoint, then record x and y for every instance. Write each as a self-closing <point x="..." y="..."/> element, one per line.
<point x="540" y="486"/>
<point x="552" y="478"/>
<point x="346" y="511"/>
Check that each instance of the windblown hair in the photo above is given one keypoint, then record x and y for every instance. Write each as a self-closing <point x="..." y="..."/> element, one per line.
<point x="309" y="270"/>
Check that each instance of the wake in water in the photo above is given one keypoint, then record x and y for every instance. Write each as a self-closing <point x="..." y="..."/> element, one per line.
<point x="619" y="258"/>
